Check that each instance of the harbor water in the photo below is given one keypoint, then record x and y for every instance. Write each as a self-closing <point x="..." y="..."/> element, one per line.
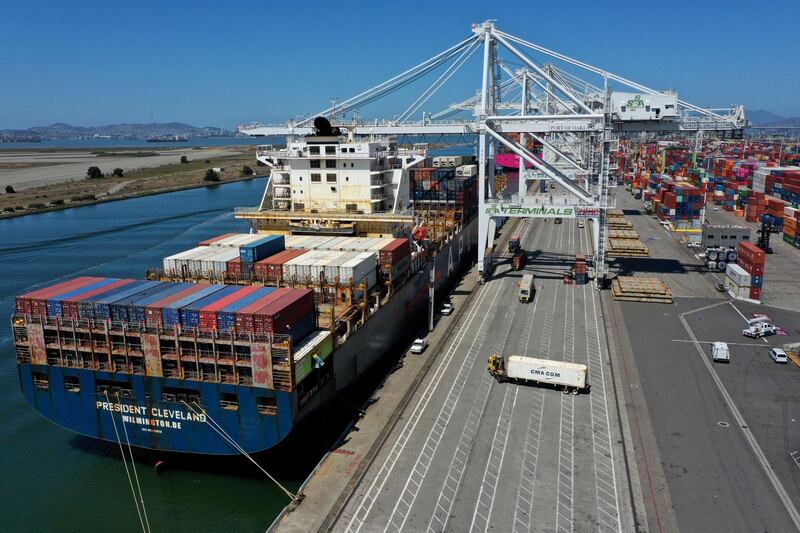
<point x="55" y="480"/>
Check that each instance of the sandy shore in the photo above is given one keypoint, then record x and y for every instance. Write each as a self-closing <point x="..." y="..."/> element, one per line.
<point x="61" y="166"/>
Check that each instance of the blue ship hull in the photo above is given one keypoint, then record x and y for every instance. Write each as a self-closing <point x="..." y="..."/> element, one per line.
<point x="181" y="426"/>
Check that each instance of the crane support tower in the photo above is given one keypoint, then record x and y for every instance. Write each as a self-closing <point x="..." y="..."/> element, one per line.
<point x="578" y="124"/>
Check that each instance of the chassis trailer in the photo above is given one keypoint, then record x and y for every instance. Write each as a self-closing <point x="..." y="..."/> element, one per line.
<point x="572" y="377"/>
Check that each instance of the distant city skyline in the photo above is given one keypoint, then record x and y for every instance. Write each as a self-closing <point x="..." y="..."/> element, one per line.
<point x="211" y="64"/>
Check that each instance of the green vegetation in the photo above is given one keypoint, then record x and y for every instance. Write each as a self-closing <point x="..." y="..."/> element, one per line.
<point x="211" y="176"/>
<point x="10" y="189"/>
<point x="184" y="159"/>
<point x="247" y="171"/>
<point x="118" y="172"/>
<point x="94" y="173"/>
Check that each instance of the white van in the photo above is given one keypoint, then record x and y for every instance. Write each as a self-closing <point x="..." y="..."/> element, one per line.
<point x="778" y="355"/>
<point x="720" y="353"/>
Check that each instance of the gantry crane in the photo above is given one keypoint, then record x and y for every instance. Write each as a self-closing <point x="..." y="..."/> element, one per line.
<point x="575" y="121"/>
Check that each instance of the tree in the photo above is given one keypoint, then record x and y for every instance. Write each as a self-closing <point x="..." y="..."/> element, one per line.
<point x="94" y="173"/>
<point x="211" y="175"/>
<point x="118" y="172"/>
<point x="184" y="159"/>
<point x="247" y="171"/>
<point x="10" y="189"/>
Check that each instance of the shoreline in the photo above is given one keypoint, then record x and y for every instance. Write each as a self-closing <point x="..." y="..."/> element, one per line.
<point x="128" y="196"/>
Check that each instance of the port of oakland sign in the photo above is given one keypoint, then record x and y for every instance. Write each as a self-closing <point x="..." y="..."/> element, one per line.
<point x="540" y="211"/>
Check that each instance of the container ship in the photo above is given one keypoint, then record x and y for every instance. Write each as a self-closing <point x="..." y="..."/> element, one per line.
<point x="231" y="346"/>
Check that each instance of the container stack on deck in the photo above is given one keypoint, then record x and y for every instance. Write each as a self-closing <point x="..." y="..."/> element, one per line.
<point x="292" y="260"/>
<point x="749" y="277"/>
<point x="170" y="305"/>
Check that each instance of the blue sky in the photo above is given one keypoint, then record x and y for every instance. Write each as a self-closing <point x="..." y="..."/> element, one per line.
<point x="224" y="63"/>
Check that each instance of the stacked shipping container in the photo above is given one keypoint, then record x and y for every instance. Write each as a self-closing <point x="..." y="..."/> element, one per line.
<point x="166" y="305"/>
<point x="751" y="260"/>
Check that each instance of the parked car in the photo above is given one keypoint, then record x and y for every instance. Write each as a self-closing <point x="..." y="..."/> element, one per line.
<point x="447" y="309"/>
<point x="778" y="355"/>
<point x="720" y="352"/>
<point x="419" y="345"/>
<point x="720" y="287"/>
<point x="761" y="329"/>
<point x="715" y="208"/>
<point x="664" y="223"/>
<point x="693" y="244"/>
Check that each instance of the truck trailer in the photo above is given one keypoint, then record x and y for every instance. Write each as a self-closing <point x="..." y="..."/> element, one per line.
<point x="572" y="377"/>
<point x="526" y="288"/>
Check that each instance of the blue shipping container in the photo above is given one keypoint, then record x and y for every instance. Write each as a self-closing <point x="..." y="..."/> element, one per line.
<point x="226" y="317"/>
<point x="119" y="309"/>
<point x="137" y="307"/>
<point x="86" y="307"/>
<point x="102" y="306"/>
<point x="261" y="249"/>
<point x="190" y="314"/>
<point x="171" y="316"/>
<point x="54" y="307"/>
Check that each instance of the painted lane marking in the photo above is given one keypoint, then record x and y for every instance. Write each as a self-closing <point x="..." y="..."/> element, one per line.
<point x="748" y="435"/>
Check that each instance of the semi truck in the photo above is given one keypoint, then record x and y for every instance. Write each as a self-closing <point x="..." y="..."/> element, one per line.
<point x="513" y="243"/>
<point x="518" y="260"/>
<point x="570" y="377"/>
<point x="526" y="288"/>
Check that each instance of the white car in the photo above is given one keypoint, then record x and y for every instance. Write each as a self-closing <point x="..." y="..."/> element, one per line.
<point x="693" y="244"/>
<point x="720" y="352"/>
<point x="778" y="355"/>
<point x="664" y="223"/>
<point x="715" y="208"/>
<point x="419" y="345"/>
<point x="447" y="309"/>
<point x="761" y="329"/>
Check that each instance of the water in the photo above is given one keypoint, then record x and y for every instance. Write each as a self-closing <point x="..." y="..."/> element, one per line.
<point x="55" y="480"/>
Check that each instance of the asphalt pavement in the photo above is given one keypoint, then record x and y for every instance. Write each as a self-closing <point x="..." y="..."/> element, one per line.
<point x="471" y="454"/>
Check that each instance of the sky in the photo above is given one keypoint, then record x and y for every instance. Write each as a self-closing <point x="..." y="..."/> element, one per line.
<point x="224" y="63"/>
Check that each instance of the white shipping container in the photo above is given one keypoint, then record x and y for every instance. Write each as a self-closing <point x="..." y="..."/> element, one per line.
<point x="467" y="170"/>
<point x="546" y="371"/>
<point x="361" y="266"/>
<point x="738" y="275"/>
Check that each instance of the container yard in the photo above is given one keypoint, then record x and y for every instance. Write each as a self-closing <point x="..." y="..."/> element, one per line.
<point x="506" y="314"/>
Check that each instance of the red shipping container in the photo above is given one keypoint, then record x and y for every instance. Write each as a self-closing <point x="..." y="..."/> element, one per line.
<point x="394" y="251"/>
<point x="272" y="267"/>
<point x="755" y="293"/>
<point x="35" y="302"/>
<point x="282" y="313"/>
<point x="208" y="242"/>
<point x="234" y="267"/>
<point x="750" y="268"/>
<point x="69" y="307"/>
<point x="244" y="316"/>
<point x="152" y="313"/>
<point x="751" y="253"/>
<point x="208" y="314"/>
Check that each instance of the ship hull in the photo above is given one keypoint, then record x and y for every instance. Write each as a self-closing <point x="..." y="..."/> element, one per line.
<point x="142" y="417"/>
